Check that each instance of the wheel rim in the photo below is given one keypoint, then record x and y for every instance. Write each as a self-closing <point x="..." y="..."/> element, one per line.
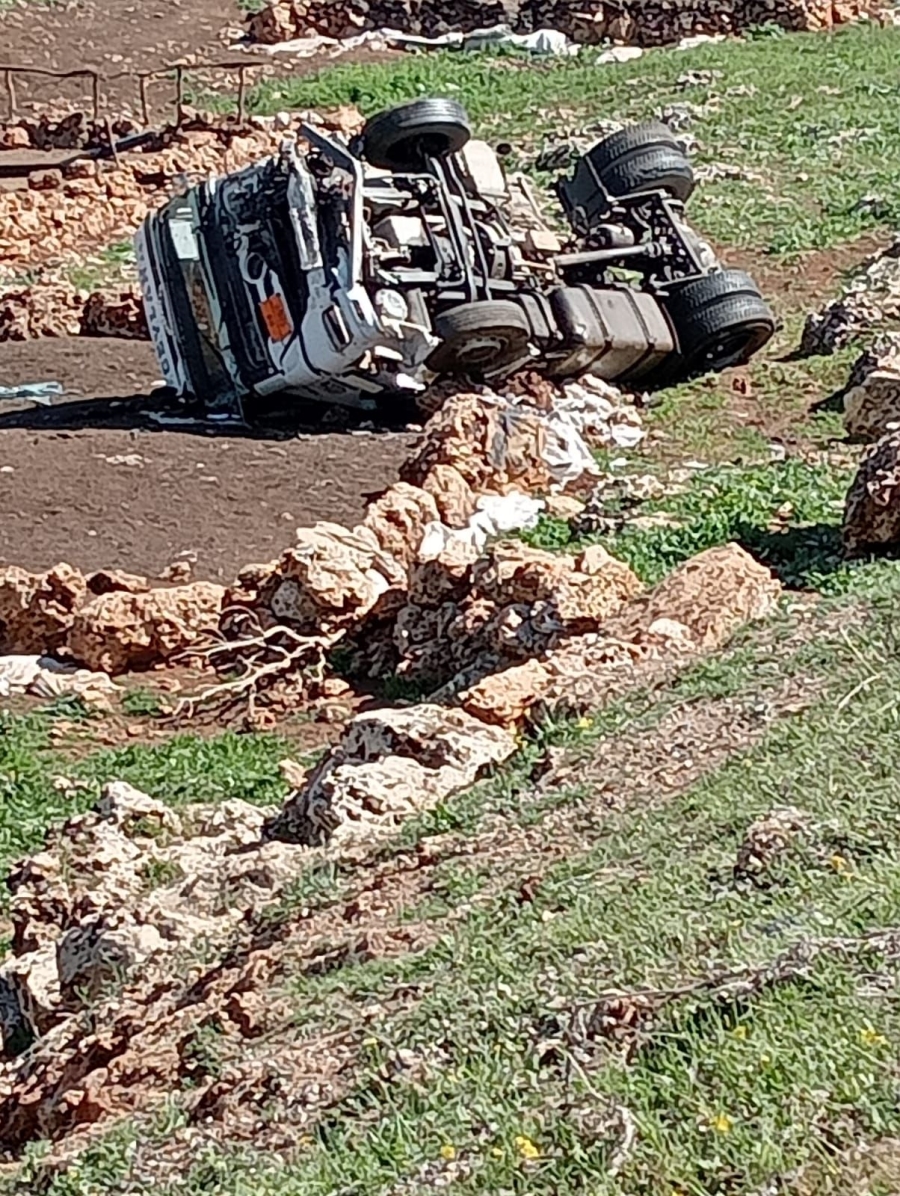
<point x="482" y="350"/>
<point x="731" y="347"/>
<point x="478" y="354"/>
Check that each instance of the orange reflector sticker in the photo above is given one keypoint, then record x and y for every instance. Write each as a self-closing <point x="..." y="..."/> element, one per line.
<point x="276" y="318"/>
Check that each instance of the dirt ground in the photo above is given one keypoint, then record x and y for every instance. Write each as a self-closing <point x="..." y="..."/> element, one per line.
<point x="117" y="38"/>
<point x="111" y="38"/>
<point x="99" y="484"/>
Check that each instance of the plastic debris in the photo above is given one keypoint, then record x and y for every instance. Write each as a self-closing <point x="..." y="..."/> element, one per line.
<point x="42" y="393"/>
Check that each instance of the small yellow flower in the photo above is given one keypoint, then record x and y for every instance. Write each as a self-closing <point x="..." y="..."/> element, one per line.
<point x="585" y="724"/>
<point x="839" y="864"/>
<point x="765" y="1060"/>
<point x="527" y="1148"/>
<point x="722" y="1124"/>
<point x="740" y="1032"/>
<point x="496" y="1152"/>
<point x="448" y="1151"/>
<point x="870" y="1037"/>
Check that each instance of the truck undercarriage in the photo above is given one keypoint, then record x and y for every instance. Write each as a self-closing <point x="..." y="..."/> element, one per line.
<point x="361" y="273"/>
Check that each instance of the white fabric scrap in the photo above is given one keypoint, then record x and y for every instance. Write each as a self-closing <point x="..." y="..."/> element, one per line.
<point x="45" y="677"/>
<point x="495" y="515"/>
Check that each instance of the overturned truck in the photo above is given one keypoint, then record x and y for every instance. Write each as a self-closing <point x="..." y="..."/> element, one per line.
<point x="358" y="273"/>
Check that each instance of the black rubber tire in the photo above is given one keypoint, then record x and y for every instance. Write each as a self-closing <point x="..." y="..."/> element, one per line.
<point x="644" y="157"/>
<point x="479" y="337"/>
<point x="402" y="138"/>
<point x="720" y="321"/>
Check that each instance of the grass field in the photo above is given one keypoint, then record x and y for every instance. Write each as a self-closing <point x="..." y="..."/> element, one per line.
<point x="602" y="989"/>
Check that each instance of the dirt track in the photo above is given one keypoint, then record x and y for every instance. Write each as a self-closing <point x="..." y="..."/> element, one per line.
<point x="89" y="488"/>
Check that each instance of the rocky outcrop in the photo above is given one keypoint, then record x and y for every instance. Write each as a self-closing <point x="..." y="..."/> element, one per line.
<point x="872" y="397"/>
<point x="697" y="609"/>
<point x="870" y="300"/>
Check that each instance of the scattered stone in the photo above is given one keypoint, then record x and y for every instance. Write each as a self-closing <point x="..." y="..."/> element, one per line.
<point x="505" y="699"/>
<point x="120" y="631"/>
<point x="872" y="508"/>
<point x="767" y="839"/>
<point x="869" y="301"/>
<point x="711" y="595"/>
<point x="37" y="609"/>
<point x="388" y="765"/>
<point x="331" y="580"/>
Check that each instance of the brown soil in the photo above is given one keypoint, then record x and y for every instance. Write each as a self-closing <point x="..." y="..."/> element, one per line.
<point x="121" y="38"/>
<point x="227" y="499"/>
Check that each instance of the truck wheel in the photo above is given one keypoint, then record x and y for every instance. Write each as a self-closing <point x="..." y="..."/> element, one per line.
<point x="720" y="320"/>
<point x="480" y="337"/>
<point x="402" y="138"/>
<point x="644" y="157"/>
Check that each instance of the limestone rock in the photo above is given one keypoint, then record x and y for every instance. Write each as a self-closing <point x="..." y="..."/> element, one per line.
<point x="398" y="520"/>
<point x="29" y="995"/>
<point x="444" y="577"/>
<point x="129" y="809"/>
<point x="873" y="407"/>
<point x="505" y="699"/>
<point x="330" y="580"/>
<point x="119" y="887"/>
<point x="100" y="950"/>
<point x="390" y="763"/>
<point x="493" y="445"/>
<point x="872" y="509"/>
<point x="712" y="595"/>
<point x="579" y="592"/>
<point x="870" y="299"/>
<point x="37" y="609"/>
<point x="512" y="572"/>
<point x="452" y="494"/>
<point x="882" y="354"/>
<point x="119" y="631"/>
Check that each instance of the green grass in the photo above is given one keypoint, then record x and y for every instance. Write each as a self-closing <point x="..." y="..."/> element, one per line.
<point x="178" y="771"/>
<point x="813" y="116"/>
<point x="510" y="1091"/>
<point x="786" y="513"/>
